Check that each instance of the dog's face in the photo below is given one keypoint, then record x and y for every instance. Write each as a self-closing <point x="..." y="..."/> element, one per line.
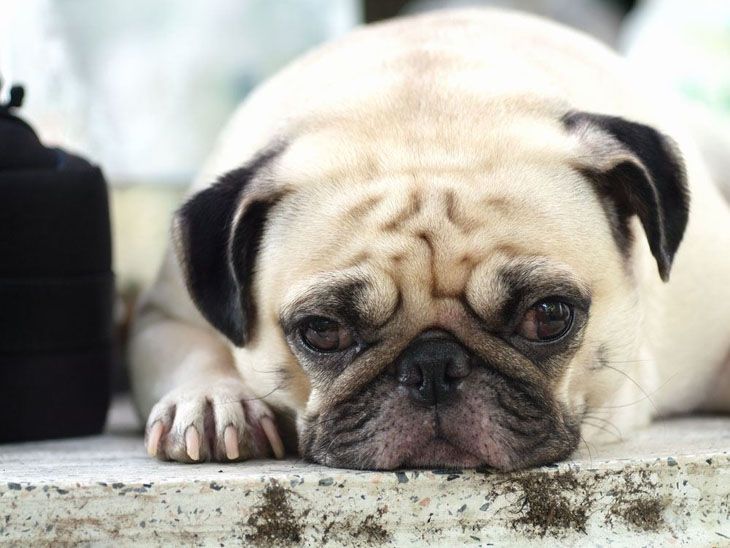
<point x="444" y="297"/>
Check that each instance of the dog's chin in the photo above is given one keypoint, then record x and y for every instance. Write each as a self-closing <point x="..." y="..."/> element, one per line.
<point x="440" y="453"/>
<point x="424" y="446"/>
<point x="431" y="446"/>
<point x="422" y="439"/>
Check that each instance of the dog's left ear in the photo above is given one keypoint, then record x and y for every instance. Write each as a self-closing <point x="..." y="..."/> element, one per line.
<point x="640" y="172"/>
<point x="217" y="234"/>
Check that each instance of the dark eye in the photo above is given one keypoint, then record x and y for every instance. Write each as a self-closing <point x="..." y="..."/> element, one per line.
<point x="325" y="335"/>
<point x="546" y="321"/>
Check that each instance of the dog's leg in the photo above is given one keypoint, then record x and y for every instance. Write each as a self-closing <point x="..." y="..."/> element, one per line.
<point x="198" y="407"/>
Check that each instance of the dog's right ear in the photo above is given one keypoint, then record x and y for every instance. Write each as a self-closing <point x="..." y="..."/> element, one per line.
<point x="216" y="234"/>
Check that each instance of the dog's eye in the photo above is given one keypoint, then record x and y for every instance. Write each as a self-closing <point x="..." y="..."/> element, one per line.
<point x="325" y="335"/>
<point x="546" y="321"/>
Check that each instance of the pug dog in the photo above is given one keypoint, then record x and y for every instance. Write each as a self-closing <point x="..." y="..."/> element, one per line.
<point x="467" y="238"/>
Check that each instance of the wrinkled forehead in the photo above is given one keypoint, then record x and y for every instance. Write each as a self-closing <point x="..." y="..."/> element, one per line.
<point x="428" y="210"/>
<point x="467" y="214"/>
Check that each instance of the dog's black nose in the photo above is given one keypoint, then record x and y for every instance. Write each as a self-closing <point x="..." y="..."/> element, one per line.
<point x="431" y="368"/>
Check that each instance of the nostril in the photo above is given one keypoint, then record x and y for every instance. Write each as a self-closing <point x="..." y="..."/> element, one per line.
<point x="410" y="376"/>
<point x="458" y="367"/>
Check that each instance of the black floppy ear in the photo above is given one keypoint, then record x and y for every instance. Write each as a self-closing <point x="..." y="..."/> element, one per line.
<point x="217" y="234"/>
<point x="641" y="172"/>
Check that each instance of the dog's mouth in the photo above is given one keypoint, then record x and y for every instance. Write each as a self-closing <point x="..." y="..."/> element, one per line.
<point x="474" y="431"/>
<point x="435" y="445"/>
<point x="452" y="438"/>
<point x="440" y="452"/>
<point x="420" y="441"/>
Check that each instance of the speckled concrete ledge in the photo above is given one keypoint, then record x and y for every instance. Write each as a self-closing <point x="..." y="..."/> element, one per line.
<point x="670" y="485"/>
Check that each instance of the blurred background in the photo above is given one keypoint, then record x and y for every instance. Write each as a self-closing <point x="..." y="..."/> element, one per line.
<point x="143" y="87"/>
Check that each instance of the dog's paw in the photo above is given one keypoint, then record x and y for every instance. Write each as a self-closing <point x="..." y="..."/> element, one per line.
<point x="221" y="421"/>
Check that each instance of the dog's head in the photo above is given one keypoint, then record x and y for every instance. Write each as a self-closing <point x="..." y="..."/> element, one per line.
<point x="443" y="294"/>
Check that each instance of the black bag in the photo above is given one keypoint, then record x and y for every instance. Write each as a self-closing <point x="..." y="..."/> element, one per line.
<point x="56" y="288"/>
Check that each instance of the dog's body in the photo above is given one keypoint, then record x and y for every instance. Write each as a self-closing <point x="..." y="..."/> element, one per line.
<point x="417" y="188"/>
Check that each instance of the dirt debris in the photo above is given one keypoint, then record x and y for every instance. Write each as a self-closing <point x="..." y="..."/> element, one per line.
<point x="548" y="503"/>
<point x="636" y="503"/>
<point x="561" y="503"/>
<point x="368" y="531"/>
<point x="274" y="522"/>
<point x="645" y="513"/>
<point x="371" y="529"/>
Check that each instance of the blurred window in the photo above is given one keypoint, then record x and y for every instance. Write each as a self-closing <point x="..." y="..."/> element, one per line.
<point x="143" y="87"/>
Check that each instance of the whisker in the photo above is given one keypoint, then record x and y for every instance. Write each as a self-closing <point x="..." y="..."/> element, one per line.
<point x="590" y="455"/>
<point x="619" y="362"/>
<point x="648" y="397"/>
<point x="257" y="398"/>
<point x="615" y="432"/>
<point x="358" y="424"/>
<point x="278" y="387"/>
<point x="640" y="399"/>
